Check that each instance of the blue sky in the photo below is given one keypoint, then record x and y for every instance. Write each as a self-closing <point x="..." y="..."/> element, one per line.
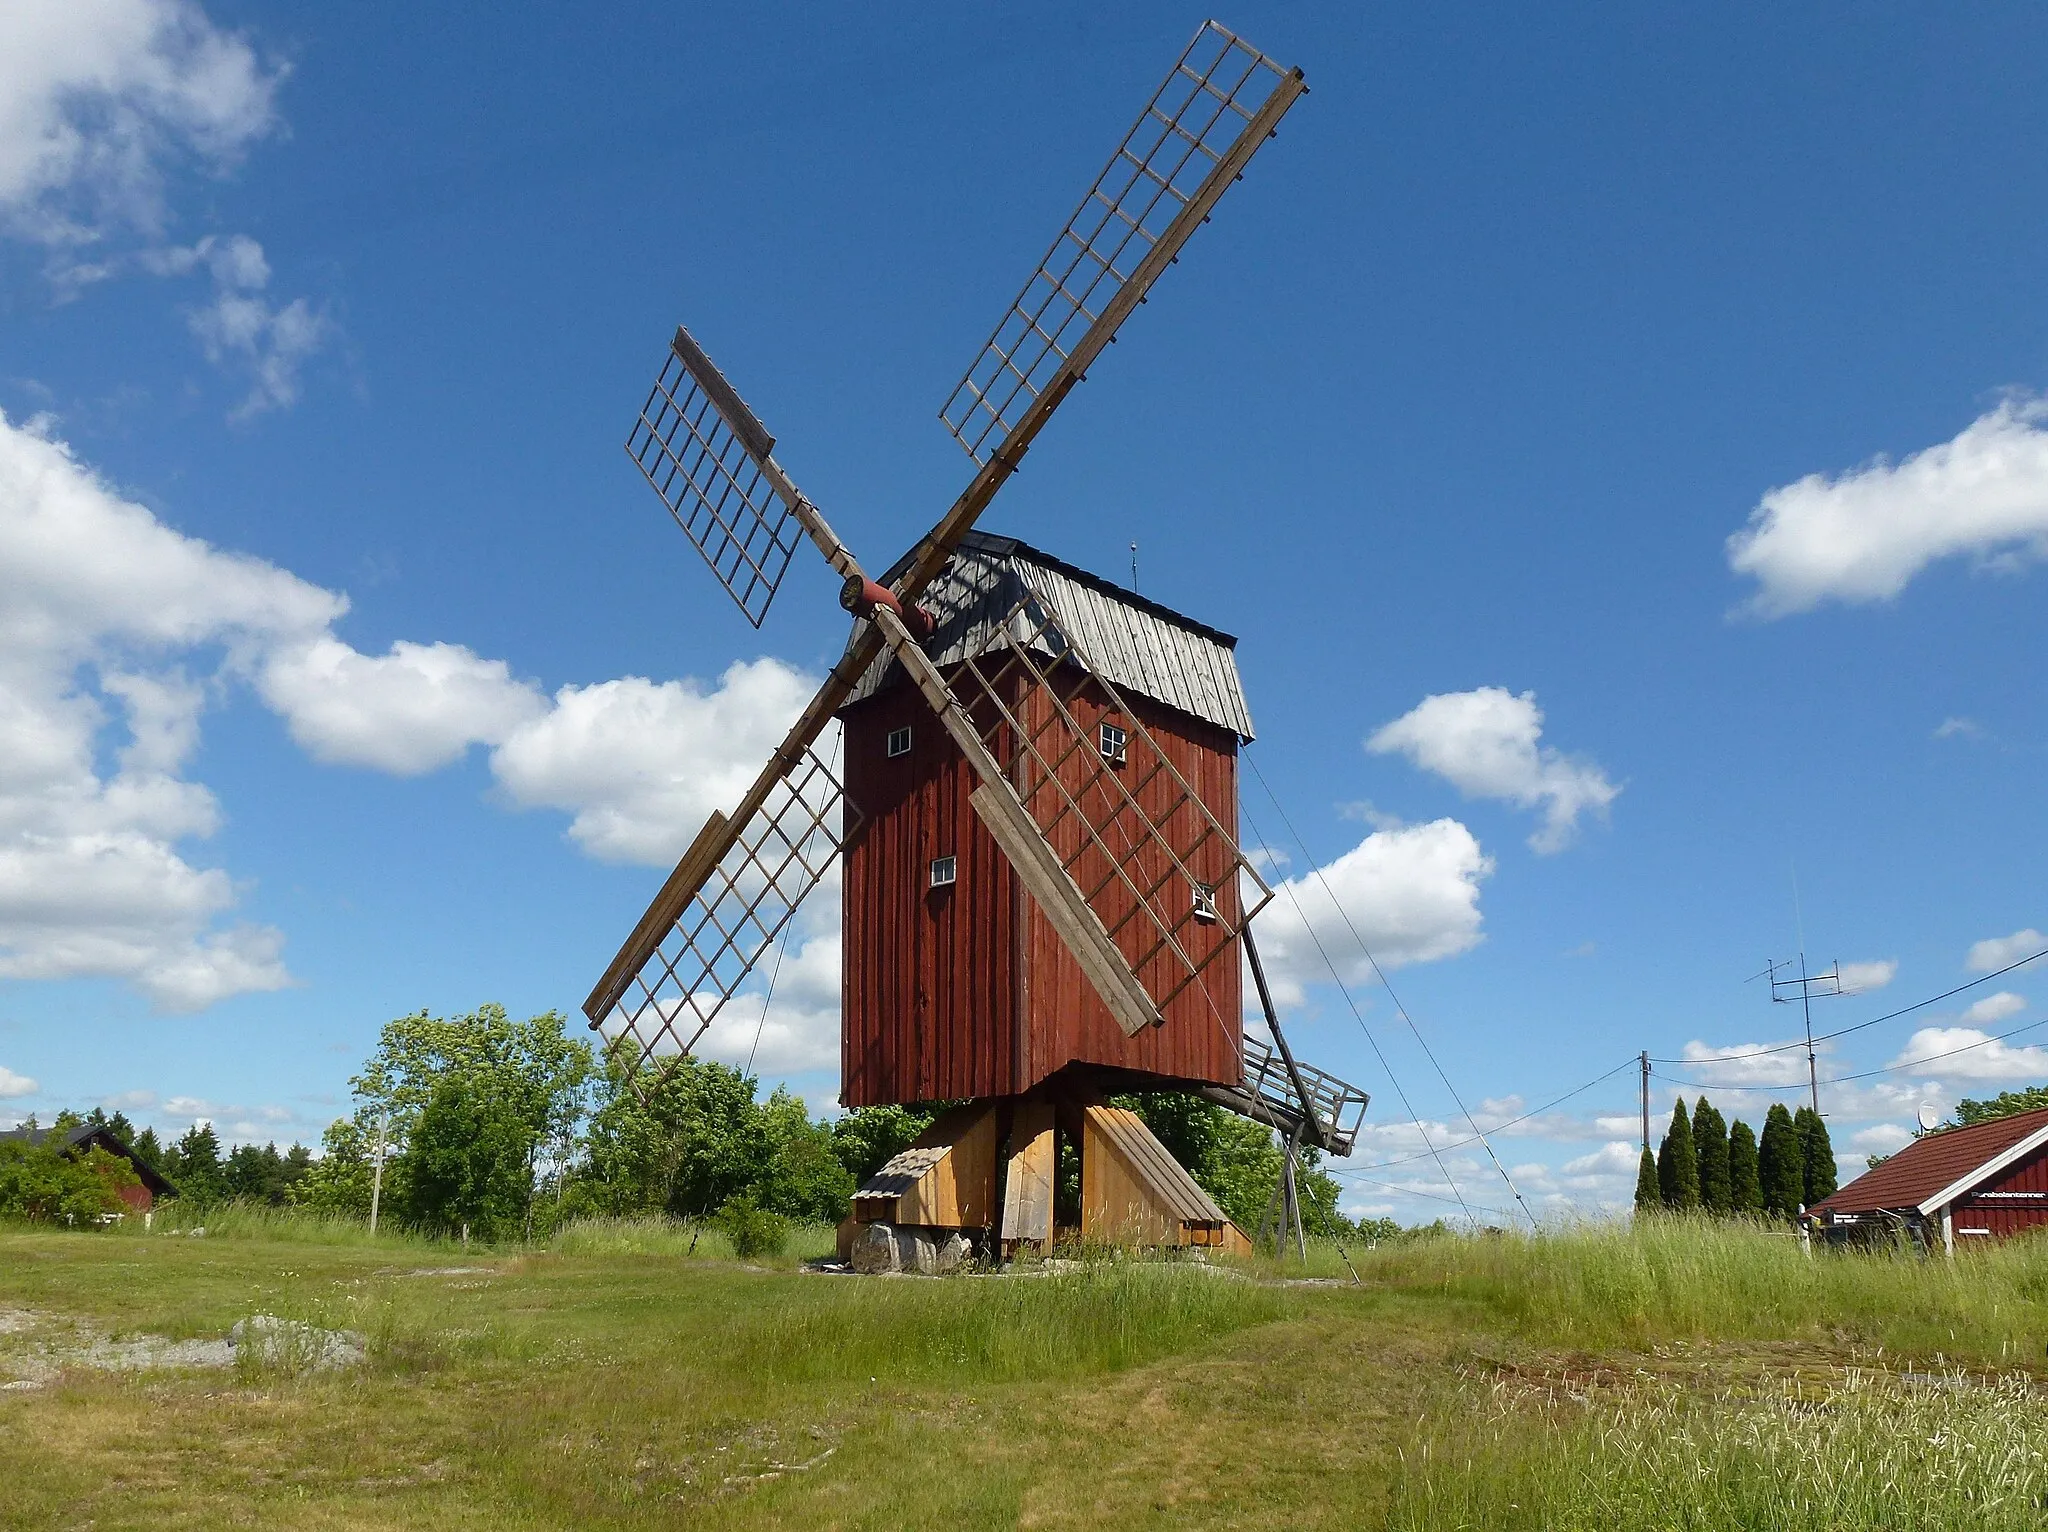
<point x="319" y="335"/>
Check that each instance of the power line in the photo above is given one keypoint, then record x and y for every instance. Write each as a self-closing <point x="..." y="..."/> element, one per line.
<point x="1538" y="1111"/>
<point x="1918" y="1005"/>
<point x="1392" y="1078"/>
<point x="1863" y="1074"/>
<point x="1399" y="1009"/>
<point x="1409" y="1191"/>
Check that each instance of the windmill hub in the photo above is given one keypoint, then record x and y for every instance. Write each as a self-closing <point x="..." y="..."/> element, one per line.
<point x="1044" y="896"/>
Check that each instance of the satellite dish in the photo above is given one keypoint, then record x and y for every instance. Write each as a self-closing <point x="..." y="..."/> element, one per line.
<point x="1930" y="1117"/>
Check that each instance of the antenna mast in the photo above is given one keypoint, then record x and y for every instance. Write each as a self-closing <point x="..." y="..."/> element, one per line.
<point x="1806" y="988"/>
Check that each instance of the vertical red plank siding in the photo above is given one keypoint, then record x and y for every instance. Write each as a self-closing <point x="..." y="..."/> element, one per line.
<point x="937" y="982"/>
<point x="2012" y="1203"/>
<point x="1201" y="1038"/>
<point x="929" y="984"/>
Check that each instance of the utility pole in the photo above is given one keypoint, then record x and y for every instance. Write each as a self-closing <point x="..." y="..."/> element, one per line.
<point x="377" y="1174"/>
<point x="1646" y="1099"/>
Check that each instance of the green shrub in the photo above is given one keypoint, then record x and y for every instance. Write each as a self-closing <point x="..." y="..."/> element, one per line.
<point x="752" y="1229"/>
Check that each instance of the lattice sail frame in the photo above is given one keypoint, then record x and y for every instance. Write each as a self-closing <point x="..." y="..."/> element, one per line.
<point x="782" y="855"/>
<point x="1093" y="814"/>
<point x="709" y="459"/>
<point x="1203" y="107"/>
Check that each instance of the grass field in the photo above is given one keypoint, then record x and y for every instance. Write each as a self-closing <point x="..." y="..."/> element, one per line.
<point x="1676" y="1377"/>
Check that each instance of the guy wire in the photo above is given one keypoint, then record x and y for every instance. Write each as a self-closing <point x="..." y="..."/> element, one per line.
<point x="1399" y="1009"/>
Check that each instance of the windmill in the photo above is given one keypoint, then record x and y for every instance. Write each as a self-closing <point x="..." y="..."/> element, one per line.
<point x="1045" y="896"/>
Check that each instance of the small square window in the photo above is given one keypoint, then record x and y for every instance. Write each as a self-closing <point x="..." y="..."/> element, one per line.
<point x="1113" y="742"/>
<point x="899" y="742"/>
<point x="945" y="870"/>
<point x="1205" y="904"/>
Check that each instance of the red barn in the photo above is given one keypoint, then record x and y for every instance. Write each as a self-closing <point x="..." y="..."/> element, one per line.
<point x="956" y="985"/>
<point x="1987" y="1181"/>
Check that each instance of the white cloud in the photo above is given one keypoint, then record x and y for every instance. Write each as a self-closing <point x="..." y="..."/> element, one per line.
<point x="94" y="589"/>
<point x="12" y="1084"/>
<point x="640" y="765"/>
<point x="1935" y="1051"/>
<point x="1412" y="894"/>
<point x="1486" y="744"/>
<point x="1861" y="537"/>
<point x="1996" y="952"/>
<point x="240" y="328"/>
<point x="415" y="709"/>
<point x="1880" y="1138"/>
<point x="1861" y="978"/>
<point x="99" y="99"/>
<point x="1959" y="728"/>
<point x="112" y="623"/>
<point x="799" y="1031"/>
<point x="1993" y="1009"/>
<point x="1614" y="1159"/>
<point x="1748" y="1064"/>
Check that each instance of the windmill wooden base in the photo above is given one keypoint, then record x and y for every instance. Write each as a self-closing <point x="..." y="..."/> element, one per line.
<point x="982" y="1180"/>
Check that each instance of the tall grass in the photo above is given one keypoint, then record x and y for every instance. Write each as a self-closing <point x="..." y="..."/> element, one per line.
<point x="260" y="1220"/>
<point x="655" y="1235"/>
<point x="1599" y="1284"/>
<point x="1098" y="1316"/>
<point x="1868" y="1455"/>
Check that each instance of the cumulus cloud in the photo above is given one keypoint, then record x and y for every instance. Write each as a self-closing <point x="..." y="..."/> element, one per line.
<point x="1612" y="1161"/>
<point x="1861" y="978"/>
<point x="1939" y="1051"/>
<point x="1412" y="894"/>
<point x="1748" y="1063"/>
<point x="412" y="710"/>
<point x="1863" y="536"/>
<point x="1993" y="1009"/>
<point x="1487" y="744"/>
<point x="116" y="630"/>
<point x="12" y="1084"/>
<point x="639" y="765"/>
<point x="99" y="99"/>
<point x="99" y="602"/>
<point x="1880" y="1138"/>
<point x="1996" y="952"/>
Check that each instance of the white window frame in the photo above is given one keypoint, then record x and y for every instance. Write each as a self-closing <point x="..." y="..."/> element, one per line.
<point x="1112" y="740"/>
<point x="897" y="743"/>
<point x="1205" y="904"/>
<point x="945" y="871"/>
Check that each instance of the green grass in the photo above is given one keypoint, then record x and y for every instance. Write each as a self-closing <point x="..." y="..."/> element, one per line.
<point x="617" y="1379"/>
<point x="1872" y="1453"/>
<point x="1616" y="1284"/>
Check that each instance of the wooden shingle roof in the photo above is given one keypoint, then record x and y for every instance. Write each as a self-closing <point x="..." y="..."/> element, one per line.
<point x="1934" y="1163"/>
<point x="1135" y="644"/>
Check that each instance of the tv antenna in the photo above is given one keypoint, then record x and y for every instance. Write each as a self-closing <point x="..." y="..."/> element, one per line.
<point x="1804" y="988"/>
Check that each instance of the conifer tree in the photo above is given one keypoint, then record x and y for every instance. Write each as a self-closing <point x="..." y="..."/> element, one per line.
<point x="1745" y="1186"/>
<point x="1678" y="1167"/>
<point x="1649" y="1196"/>
<point x="1710" y="1147"/>
<point x="1817" y="1155"/>
<point x="1780" y="1165"/>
